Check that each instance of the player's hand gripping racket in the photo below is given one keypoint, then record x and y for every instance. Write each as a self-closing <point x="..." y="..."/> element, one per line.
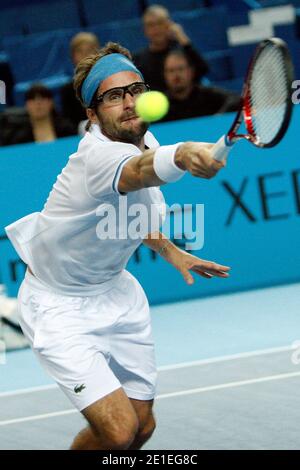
<point x="266" y="105"/>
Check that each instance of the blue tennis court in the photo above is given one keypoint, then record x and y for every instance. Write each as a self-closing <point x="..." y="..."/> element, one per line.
<point x="229" y="375"/>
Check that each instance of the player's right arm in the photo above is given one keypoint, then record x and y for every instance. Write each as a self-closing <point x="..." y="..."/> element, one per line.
<point x="194" y="157"/>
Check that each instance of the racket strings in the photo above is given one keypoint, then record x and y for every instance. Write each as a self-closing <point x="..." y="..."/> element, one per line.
<point x="268" y="94"/>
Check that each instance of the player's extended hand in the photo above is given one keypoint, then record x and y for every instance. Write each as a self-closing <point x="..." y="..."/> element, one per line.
<point x="186" y="262"/>
<point x="197" y="159"/>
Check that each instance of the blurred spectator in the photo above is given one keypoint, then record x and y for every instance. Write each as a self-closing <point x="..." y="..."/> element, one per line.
<point x="164" y="35"/>
<point x="40" y="123"/>
<point x="82" y="45"/>
<point x="188" y="99"/>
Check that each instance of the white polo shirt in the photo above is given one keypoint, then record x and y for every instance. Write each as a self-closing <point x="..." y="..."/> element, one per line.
<point x="61" y="244"/>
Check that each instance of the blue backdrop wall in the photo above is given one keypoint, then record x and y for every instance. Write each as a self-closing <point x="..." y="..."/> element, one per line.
<point x="251" y="210"/>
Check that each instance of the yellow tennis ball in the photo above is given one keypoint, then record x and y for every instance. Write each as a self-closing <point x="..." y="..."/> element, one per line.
<point x="152" y="106"/>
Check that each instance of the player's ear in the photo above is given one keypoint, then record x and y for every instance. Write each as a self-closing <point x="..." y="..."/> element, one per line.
<point x="92" y="116"/>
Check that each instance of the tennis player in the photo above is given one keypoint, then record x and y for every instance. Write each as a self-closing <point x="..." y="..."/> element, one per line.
<point x="86" y="317"/>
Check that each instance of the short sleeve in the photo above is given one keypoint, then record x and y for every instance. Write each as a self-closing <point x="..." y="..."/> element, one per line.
<point x="104" y="166"/>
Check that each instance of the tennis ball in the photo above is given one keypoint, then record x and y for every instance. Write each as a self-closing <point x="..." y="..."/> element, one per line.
<point x="152" y="106"/>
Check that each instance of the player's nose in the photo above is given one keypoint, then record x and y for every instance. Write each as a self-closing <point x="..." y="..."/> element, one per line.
<point x="128" y="101"/>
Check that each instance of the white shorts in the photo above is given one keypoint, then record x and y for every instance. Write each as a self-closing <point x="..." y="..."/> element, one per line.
<point x="92" y="345"/>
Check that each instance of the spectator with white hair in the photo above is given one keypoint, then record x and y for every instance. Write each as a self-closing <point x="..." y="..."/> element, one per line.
<point x="164" y="35"/>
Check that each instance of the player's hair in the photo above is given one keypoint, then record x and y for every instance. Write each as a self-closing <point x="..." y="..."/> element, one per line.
<point x="84" y="38"/>
<point x="85" y="65"/>
<point x="156" y="10"/>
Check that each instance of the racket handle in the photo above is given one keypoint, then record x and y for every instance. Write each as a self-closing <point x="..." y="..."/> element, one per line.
<point x="221" y="149"/>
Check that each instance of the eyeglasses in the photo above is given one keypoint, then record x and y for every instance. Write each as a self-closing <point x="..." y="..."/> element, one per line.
<point x="115" y="96"/>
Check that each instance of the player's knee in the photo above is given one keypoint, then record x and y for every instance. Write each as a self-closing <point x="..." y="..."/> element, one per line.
<point x="120" y="435"/>
<point x="146" y="432"/>
<point x="123" y="437"/>
<point x="121" y="441"/>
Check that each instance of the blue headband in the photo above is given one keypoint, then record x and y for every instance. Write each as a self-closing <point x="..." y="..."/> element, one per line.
<point x="104" y="68"/>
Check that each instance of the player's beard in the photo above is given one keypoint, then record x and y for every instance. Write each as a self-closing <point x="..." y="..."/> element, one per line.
<point x="117" y="130"/>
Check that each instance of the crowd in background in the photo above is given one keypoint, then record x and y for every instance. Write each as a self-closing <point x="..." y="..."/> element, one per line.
<point x="170" y="63"/>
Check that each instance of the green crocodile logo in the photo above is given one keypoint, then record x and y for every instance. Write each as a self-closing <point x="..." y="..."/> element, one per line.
<point x="79" y="388"/>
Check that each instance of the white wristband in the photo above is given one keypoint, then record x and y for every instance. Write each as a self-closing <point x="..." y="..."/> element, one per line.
<point x="164" y="165"/>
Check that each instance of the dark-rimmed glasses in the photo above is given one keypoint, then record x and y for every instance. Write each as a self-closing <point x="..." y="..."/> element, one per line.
<point x="115" y="96"/>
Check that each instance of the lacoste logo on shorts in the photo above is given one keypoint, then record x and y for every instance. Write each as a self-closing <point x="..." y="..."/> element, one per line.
<point x="79" y="388"/>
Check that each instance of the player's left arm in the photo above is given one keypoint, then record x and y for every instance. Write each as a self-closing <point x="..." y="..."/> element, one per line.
<point x="182" y="260"/>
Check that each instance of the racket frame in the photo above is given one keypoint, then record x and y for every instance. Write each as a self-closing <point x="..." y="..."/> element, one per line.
<point x="245" y="109"/>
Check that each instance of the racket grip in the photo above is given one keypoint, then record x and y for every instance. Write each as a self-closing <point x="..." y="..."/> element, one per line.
<point x="221" y="149"/>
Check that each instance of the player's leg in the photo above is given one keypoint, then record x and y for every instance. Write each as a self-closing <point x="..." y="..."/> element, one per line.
<point x="144" y="411"/>
<point x="133" y="359"/>
<point x="108" y="431"/>
<point x="64" y="344"/>
<point x="113" y="424"/>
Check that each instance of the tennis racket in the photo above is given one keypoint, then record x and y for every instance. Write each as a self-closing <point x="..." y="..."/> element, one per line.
<point x="266" y="105"/>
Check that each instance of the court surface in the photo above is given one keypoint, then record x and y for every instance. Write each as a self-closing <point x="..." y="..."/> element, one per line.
<point x="229" y="378"/>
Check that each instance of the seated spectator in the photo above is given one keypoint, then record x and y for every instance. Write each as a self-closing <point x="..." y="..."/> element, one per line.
<point x="82" y="45"/>
<point x="164" y="35"/>
<point x="188" y="99"/>
<point x="40" y="123"/>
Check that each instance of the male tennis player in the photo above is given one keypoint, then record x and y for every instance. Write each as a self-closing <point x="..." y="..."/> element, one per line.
<point x="86" y="317"/>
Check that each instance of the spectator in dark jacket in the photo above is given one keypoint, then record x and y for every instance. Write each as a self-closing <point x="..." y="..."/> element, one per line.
<point x="40" y="122"/>
<point x="82" y="45"/>
<point x="188" y="99"/>
<point x="164" y="35"/>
